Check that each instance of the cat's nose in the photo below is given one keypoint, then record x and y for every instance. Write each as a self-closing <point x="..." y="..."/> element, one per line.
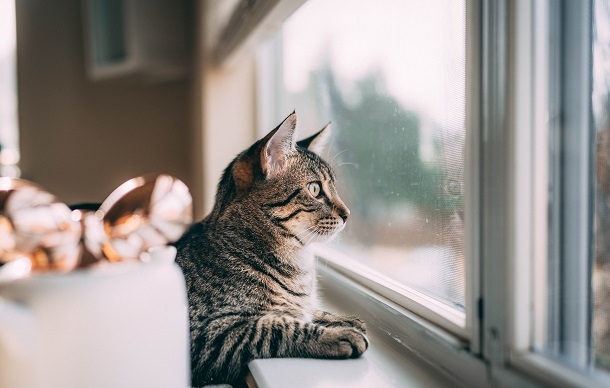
<point x="344" y="214"/>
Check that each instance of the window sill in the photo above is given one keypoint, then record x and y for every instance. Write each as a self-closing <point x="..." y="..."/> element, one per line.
<point x="404" y="349"/>
<point x="380" y="366"/>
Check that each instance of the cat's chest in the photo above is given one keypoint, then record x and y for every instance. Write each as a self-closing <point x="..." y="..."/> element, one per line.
<point x="308" y="284"/>
<point x="308" y="265"/>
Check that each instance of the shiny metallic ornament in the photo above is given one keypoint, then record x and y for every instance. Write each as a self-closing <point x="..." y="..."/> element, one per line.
<point x="92" y="236"/>
<point x="142" y="213"/>
<point x="33" y="223"/>
<point x="39" y="233"/>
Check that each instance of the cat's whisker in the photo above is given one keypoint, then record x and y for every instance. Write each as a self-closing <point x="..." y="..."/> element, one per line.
<point x="339" y="153"/>
<point x="311" y="230"/>
<point x="299" y="237"/>
<point x="346" y="164"/>
<point x="312" y="233"/>
<point x="306" y="230"/>
<point x="315" y="236"/>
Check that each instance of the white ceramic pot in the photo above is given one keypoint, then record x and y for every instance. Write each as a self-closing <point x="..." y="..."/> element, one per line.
<point x="118" y="325"/>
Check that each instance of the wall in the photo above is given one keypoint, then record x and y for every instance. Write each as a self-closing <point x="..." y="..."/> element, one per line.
<point x="228" y="110"/>
<point x="80" y="139"/>
<point x="229" y="117"/>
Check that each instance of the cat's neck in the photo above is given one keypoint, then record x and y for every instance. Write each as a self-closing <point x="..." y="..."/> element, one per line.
<point x="259" y="235"/>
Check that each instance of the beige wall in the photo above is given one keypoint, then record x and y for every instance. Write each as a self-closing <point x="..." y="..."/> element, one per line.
<point x="227" y="106"/>
<point x="229" y="118"/>
<point x="82" y="139"/>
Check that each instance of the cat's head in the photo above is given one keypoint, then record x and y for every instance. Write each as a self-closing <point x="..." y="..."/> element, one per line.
<point x="287" y="183"/>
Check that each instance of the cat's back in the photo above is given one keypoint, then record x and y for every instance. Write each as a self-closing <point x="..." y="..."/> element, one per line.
<point x="193" y="244"/>
<point x="216" y="275"/>
<point x="209" y="247"/>
<point x="206" y="270"/>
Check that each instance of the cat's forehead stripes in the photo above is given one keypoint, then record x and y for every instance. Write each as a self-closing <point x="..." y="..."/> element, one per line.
<point x="319" y="166"/>
<point x="328" y="173"/>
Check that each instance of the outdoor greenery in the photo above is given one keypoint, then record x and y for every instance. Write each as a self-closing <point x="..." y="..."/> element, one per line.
<point x="378" y="147"/>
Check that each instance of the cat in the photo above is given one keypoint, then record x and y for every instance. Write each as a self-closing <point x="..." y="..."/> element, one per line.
<point x="251" y="283"/>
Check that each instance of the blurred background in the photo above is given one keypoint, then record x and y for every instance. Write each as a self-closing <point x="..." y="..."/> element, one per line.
<point x="73" y="120"/>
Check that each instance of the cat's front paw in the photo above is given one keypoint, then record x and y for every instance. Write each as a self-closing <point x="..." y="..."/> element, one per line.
<point x="352" y="321"/>
<point x="330" y="320"/>
<point x="345" y="342"/>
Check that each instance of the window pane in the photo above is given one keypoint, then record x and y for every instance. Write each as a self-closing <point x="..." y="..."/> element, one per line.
<point x="390" y="75"/>
<point x="601" y="121"/>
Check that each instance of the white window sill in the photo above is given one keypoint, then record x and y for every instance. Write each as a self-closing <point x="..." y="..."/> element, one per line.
<point x="380" y="366"/>
<point x="393" y="358"/>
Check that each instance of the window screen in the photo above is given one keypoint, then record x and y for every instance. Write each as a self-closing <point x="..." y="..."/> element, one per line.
<point x="390" y="76"/>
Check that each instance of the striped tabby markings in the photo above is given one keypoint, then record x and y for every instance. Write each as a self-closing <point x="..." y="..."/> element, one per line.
<point x="259" y="268"/>
<point x="285" y="231"/>
<point x="254" y="263"/>
<point x="294" y="214"/>
<point x="286" y="201"/>
<point x="220" y="342"/>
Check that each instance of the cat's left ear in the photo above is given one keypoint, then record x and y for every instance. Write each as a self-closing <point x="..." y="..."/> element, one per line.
<point x="318" y="142"/>
<point x="280" y="144"/>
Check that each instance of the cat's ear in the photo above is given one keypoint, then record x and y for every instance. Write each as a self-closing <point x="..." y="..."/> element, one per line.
<point x="278" y="145"/>
<point x="318" y="142"/>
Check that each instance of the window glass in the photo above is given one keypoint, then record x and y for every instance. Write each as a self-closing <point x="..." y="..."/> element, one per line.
<point x="9" y="140"/>
<point x="601" y="122"/>
<point x="390" y="76"/>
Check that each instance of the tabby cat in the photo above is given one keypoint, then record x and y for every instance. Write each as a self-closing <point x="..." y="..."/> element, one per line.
<point x="251" y="283"/>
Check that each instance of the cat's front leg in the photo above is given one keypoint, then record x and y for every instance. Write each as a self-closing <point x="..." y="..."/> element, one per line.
<point x="285" y="336"/>
<point x="224" y="357"/>
<point x="331" y="320"/>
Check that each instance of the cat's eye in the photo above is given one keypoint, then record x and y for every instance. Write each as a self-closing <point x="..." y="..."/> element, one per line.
<point x="314" y="189"/>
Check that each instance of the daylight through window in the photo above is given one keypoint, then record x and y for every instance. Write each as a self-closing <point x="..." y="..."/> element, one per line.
<point x="391" y="78"/>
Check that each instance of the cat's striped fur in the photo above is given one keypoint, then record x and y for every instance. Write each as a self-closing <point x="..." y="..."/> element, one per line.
<point x="251" y="283"/>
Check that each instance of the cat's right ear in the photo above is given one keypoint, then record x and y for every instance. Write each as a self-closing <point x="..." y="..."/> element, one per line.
<point x="317" y="142"/>
<point x="278" y="145"/>
<point x="267" y="155"/>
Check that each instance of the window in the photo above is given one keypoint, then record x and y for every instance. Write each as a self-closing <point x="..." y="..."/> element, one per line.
<point x="561" y="127"/>
<point x="472" y="140"/>
<point x="393" y="83"/>
<point x="9" y="136"/>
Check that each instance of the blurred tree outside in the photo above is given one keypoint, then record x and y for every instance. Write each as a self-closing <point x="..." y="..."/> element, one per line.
<point x="377" y="153"/>
<point x="402" y="178"/>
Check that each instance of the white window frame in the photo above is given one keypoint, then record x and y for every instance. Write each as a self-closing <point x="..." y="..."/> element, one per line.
<point x="545" y="98"/>
<point x="507" y="161"/>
